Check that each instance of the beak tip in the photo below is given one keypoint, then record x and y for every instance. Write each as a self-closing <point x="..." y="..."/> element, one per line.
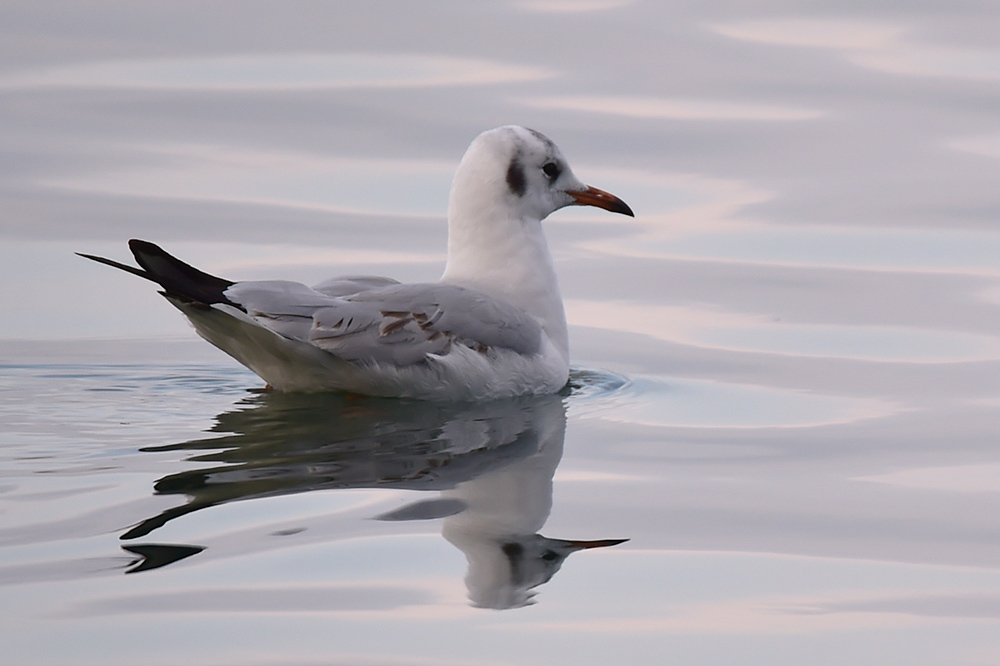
<point x="592" y="196"/>
<point x="601" y="543"/>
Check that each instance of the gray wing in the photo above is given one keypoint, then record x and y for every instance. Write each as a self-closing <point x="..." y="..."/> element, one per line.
<point x="345" y="285"/>
<point x="284" y="307"/>
<point x="395" y="323"/>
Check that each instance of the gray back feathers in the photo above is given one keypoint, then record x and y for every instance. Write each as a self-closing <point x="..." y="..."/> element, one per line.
<point x="395" y="323"/>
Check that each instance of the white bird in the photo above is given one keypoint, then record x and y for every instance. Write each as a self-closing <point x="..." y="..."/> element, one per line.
<point x="492" y="327"/>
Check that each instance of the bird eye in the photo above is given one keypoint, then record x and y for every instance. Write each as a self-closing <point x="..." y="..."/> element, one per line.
<point x="549" y="555"/>
<point x="551" y="170"/>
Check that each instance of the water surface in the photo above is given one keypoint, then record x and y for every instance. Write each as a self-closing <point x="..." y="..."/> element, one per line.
<point x="786" y="367"/>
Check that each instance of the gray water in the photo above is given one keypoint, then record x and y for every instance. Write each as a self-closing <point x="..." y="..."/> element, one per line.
<point x="786" y="368"/>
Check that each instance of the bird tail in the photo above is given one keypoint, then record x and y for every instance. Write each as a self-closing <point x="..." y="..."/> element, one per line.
<point x="179" y="280"/>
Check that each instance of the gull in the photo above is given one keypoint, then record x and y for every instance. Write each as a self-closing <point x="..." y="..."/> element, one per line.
<point x="492" y="327"/>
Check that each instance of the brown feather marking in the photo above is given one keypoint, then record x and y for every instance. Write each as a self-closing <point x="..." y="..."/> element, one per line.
<point x="391" y="327"/>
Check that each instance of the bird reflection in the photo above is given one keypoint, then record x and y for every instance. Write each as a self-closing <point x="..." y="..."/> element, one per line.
<point x="491" y="465"/>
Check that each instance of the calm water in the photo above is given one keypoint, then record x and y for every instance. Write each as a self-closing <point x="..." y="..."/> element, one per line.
<point x="786" y="393"/>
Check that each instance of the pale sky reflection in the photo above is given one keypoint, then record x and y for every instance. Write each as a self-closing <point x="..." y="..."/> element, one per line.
<point x="719" y="329"/>
<point x="752" y="593"/>
<point x="661" y="108"/>
<point x="978" y="478"/>
<point x="572" y="6"/>
<point x="836" y="34"/>
<point x="877" y="46"/>
<point x="276" y="71"/>
<point x="848" y="246"/>
<point x="221" y="173"/>
<point x="986" y="145"/>
<point x="675" y="402"/>
<point x="741" y="617"/>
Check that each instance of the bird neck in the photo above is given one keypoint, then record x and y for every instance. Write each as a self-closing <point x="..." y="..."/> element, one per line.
<point x="508" y="259"/>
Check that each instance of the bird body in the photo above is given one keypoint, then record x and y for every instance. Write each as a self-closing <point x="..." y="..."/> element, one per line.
<point x="494" y="326"/>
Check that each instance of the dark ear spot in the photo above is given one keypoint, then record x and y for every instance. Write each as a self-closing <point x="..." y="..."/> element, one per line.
<point x="513" y="551"/>
<point x="515" y="177"/>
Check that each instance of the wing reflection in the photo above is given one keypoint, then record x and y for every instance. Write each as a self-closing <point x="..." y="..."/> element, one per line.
<point x="491" y="463"/>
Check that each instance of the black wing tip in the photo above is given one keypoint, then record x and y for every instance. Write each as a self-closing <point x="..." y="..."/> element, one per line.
<point x="141" y="248"/>
<point x="178" y="279"/>
<point x="139" y="245"/>
<point x="94" y="257"/>
<point x="115" y="264"/>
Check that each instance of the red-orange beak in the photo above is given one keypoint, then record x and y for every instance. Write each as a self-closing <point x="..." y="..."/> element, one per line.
<point x="595" y="197"/>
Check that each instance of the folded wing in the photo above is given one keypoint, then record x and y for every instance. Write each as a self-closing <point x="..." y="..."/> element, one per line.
<point x="387" y="322"/>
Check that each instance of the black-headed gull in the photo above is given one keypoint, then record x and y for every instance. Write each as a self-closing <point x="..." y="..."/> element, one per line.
<point x="492" y="327"/>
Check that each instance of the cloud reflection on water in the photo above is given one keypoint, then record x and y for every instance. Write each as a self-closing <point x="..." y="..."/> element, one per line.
<point x="226" y="174"/>
<point x="879" y="46"/>
<point x="718" y="329"/>
<point x="672" y="109"/>
<point x="275" y="71"/>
